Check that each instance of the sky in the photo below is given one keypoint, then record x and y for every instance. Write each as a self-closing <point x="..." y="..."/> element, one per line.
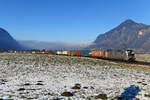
<point x="68" y="20"/>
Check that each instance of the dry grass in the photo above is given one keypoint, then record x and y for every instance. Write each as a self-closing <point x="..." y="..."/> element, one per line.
<point x="143" y="57"/>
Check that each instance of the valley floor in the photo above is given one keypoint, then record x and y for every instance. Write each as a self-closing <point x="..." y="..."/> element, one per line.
<point x="143" y="57"/>
<point x="46" y="77"/>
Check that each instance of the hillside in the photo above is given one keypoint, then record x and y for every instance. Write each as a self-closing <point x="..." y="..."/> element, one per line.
<point x="128" y="34"/>
<point x="7" y="42"/>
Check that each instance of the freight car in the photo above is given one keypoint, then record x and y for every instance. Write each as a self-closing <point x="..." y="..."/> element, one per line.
<point x="126" y="55"/>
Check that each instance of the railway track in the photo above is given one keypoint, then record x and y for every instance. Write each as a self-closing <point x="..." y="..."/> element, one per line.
<point x="126" y="62"/>
<point x="135" y="62"/>
<point x="141" y="63"/>
<point x="119" y="61"/>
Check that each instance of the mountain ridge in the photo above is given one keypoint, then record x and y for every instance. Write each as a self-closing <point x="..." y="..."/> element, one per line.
<point x="7" y="42"/>
<point x="127" y="35"/>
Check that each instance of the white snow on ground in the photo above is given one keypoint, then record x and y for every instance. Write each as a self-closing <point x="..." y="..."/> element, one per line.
<point x="60" y="73"/>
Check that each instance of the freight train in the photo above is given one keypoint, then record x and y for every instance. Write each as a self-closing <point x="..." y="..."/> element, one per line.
<point x="125" y="55"/>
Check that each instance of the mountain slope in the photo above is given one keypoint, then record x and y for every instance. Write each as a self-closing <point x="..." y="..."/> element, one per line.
<point x="7" y="42"/>
<point x="128" y="34"/>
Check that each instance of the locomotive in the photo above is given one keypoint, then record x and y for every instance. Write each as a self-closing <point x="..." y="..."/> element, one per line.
<point x="126" y="55"/>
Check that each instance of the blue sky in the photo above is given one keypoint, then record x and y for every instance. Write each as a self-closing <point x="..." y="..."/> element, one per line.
<point x="68" y="20"/>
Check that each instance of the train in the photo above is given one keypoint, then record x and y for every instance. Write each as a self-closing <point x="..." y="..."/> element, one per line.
<point x="124" y="55"/>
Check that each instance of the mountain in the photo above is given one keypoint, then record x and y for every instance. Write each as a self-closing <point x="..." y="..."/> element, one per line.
<point x="33" y="44"/>
<point x="7" y="42"/>
<point x="129" y="35"/>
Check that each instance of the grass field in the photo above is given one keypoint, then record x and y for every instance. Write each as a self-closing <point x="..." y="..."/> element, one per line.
<point x="143" y="57"/>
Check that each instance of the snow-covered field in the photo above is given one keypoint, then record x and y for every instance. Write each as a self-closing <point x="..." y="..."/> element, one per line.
<point x="46" y="77"/>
